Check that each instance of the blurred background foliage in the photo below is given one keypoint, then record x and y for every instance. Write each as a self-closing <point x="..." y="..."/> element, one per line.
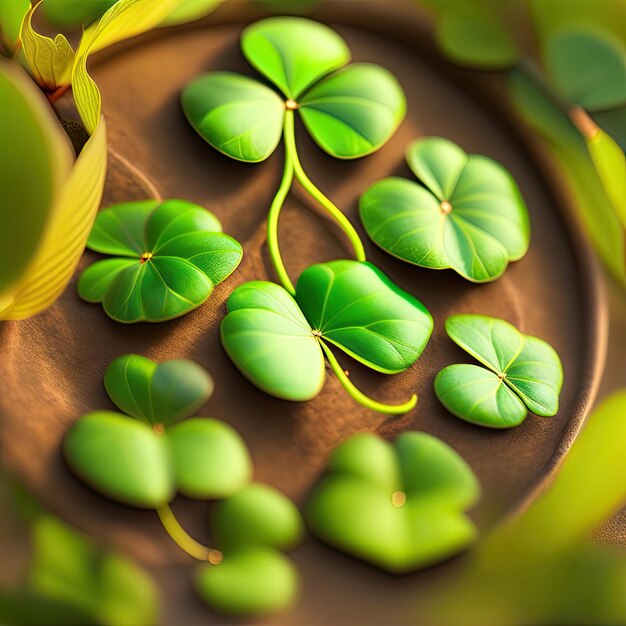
<point x="563" y="67"/>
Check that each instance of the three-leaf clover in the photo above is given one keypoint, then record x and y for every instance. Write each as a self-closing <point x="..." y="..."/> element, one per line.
<point x="251" y="529"/>
<point x="279" y="341"/>
<point x="467" y="215"/>
<point x="399" y="506"/>
<point x="349" y="110"/>
<point x="168" y="258"/>
<point x="524" y="374"/>
<point x="145" y="457"/>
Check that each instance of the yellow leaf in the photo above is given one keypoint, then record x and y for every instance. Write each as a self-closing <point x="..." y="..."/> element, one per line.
<point x="50" y="60"/>
<point x="126" y="18"/>
<point x="35" y="160"/>
<point x="66" y="233"/>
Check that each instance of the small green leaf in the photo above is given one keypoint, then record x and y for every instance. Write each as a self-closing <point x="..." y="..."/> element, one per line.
<point x="237" y="115"/>
<point x="122" y="458"/>
<point x="470" y="215"/>
<point x="178" y="257"/>
<point x="210" y="458"/>
<point x="273" y="339"/>
<point x="354" y="111"/>
<point x="68" y="568"/>
<point x="399" y="506"/>
<point x="293" y="52"/>
<point x="476" y="40"/>
<point x="159" y="394"/>
<point x="251" y="582"/>
<point x="588" y="67"/>
<point x="523" y="373"/>
<point x="258" y="515"/>
<point x="357" y="308"/>
<point x="268" y="338"/>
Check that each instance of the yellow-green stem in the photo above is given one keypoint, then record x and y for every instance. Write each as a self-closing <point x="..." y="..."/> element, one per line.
<point x="305" y="181"/>
<point x="359" y="396"/>
<point x="184" y="541"/>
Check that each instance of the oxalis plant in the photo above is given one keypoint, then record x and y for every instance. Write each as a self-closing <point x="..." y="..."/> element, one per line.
<point x="467" y="214"/>
<point x="278" y="336"/>
<point x="153" y="450"/>
<point x="521" y="373"/>
<point x="168" y="256"/>
<point x="400" y="506"/>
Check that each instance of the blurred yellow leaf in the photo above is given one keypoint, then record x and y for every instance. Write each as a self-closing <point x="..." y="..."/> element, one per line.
<point x="50" y="60"/>
<point x="65" y="236"/>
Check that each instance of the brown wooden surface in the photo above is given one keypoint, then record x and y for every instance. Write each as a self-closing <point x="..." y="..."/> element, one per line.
<point x="52" y="365"/>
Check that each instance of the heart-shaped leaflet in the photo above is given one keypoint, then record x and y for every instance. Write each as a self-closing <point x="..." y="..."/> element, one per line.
<point x="145" y="459"/>
<point x="398" y="506"/>
<point x="168" y="258"/>
<point x="524" y="373"/>
<point x="251" y="529"/>
<point x="467" y="215"/>
<point x="279" y="342"/>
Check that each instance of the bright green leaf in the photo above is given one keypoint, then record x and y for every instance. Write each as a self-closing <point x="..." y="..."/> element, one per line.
<point x="411" y="518"/>
<point x="162" y="393"/>
<point x="293" y="52"/>
<point x="178" y="259"/>
<point x="588" y="67"/>
<point x="190" y="10"/>
<point x="470" y="215"/>
<point x="523" y="373"/>
<point x="237" y="115"/>
<point x="354" y="111"/>
<point x="12" y="14"/>
<point x="476" y="40"/>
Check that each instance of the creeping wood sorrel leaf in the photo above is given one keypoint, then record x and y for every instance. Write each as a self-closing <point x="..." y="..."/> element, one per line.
<point x="169" y="256"/>
<point x="103" y="586"/>
<point x="524" y="373"/>
<point x="468" y="215"/>
<point x="279" y="342"/>
<point x="588" y="67"/>
<point x="251" y="529"/>
<point x="60" y="208"/>
<point x="143" y="460"/>
<point x="399" y="506"/>
<point x="349" y="113"/>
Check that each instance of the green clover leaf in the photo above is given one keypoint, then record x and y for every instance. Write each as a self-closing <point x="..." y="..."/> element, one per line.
<point x="251" y="529"/>
<point x="588" y="67"/>
<point x="524" y="373"/>
<point x="143" y="460"/>
<point x="279" y="342"/>
<point x="168" y="258"/>
<point x="398" y="506"/>
<point x="468" y="215"/>
<point x="349" y="111"/>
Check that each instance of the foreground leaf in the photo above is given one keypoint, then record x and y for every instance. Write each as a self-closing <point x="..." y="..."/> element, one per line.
<point x="400" y="507"/>
<point x="470" y="215"/>
<point x="524" y="373"/>
<point x="293" y="52"/>
<point x="171" y="257"/>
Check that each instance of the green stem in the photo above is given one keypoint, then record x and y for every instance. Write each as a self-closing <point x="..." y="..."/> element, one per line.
<point x="184" y="541"/>
<point x="360" y="397"/>
<point x="292" y="154"/>
<point x="274" y="212"/>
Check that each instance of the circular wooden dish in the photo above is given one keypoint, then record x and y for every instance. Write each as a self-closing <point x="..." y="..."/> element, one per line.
<point x="52" y="365"/>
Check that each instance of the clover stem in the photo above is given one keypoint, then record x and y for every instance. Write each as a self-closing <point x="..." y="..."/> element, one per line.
<point x="292" y="154"/>
<point x="184" y="541"/>
<point x="274" y="213"/>
<point x="359" y="396"/>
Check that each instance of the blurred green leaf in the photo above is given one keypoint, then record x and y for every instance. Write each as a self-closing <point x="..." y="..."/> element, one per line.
<point x="190" y="10"/>
<point x="587" y="67"/>
<point x="74" y="13"/>
<point x="613" y="122"/>
<point x="12" y="13"/>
